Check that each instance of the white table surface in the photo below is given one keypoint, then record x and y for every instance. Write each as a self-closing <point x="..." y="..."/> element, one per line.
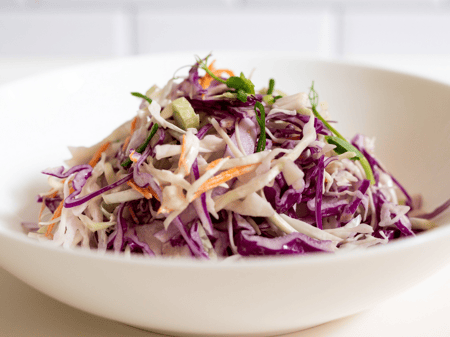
<point x="423" y="310"/>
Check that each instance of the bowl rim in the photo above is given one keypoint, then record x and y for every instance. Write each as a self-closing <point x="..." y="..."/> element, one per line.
<point x="245" y="263"/>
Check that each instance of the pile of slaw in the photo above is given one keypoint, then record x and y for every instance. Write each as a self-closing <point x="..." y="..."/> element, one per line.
<point x="211" y="169"/>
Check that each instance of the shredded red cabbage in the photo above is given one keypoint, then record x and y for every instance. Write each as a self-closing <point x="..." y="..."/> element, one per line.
<point x="214" y="197"/>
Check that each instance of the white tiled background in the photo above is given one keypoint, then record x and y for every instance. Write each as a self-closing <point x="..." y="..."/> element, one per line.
<point x="407" y="35"/>
<point x="333" y="28"/>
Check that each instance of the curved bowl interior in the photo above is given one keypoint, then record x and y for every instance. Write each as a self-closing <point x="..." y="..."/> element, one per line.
<point x="81" y="105"/>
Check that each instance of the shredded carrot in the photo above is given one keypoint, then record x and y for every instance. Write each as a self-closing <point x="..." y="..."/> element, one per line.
<point x="213" y="164"/>
<point x="182" y="162"/>
<point x="147" y="192"/>
<point x="133" y="125"/>
<point x="58" y="210"/>
<point x="125" y="143"/>
<point x="42" y="210"/>
<point x="131" y="156"/>
<point x="56" y="214"/>
<point x="133" y="215"/>
<point x="96" y="157"/>
<point x="132" y="129"/>
<point x="206" y="80"/>
<point x="223" y="177"/>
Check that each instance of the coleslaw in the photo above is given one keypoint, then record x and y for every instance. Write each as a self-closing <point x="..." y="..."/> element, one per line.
<point x="210" y="168"/>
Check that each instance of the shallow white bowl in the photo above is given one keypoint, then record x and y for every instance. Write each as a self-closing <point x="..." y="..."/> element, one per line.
<point x="41" y="116"/>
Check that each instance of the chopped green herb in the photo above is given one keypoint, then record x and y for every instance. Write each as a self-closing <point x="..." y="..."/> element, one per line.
<point x="277" y="97"/>
<point x="141" y="148"/>
<point x="241" y="84"/>
<point x="205" y="68"/>
<point x="268" y="99"/>
<point x="137" y="94"/>
<point x="314" y="99"/>
<point x="342" y="145"/>
<point x="271" y="86"/>
<point x="241" y="95"/>
<point x="261" y="118"/>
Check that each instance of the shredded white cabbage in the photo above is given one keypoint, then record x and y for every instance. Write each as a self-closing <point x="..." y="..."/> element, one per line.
<point x="233" y="184"/>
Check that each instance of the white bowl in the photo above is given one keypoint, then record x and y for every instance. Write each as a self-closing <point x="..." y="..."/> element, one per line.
<point x="41" y="116"/>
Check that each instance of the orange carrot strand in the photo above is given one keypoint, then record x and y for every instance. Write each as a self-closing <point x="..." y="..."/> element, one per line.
<point x="182" y="161"/>
<point x="147" y="192"/>
<point x="125" y="143"/>
<point x="213" y="164"/>
<point x="96" y="157"/>
<point x="133" y="125"/>
<point x="223" y="177"/>
<point x="57" y="214"/>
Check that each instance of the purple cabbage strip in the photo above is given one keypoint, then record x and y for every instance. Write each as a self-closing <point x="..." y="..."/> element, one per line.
<point x="194" y="250"/>
<point x="299" y="120"/>
<point x="402" y="226"/>
<point x="134" y="243"/>
<point x="319" y="190"/>
<point x="144" y="179"/>
<point x="200" y="207"/>
<point x="70" y="201"/>
<point x="123" y="235"/>
<point x="405" y="227"/>
<point x="51" y="203"/>
<point x="357" y="142"/>
<point x="58" y="172"/>
<point x="195" y="236"/>
<point x="331" y="206"/>
<point x="190" y="86"/>
<point x="162" y="137"/>
<point x="203" y="131"/>
<point x="82" y="174"/>
<point x="281" y="196"/>
<point x="193" y="78"/>
<point x="390" y="233"/>
<point x="350" y="209"/>
<point x="287" y="133"/>
<point x="250" y="244"/>
<point x="440" y="209"/>
<point x="226" y="108"/>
